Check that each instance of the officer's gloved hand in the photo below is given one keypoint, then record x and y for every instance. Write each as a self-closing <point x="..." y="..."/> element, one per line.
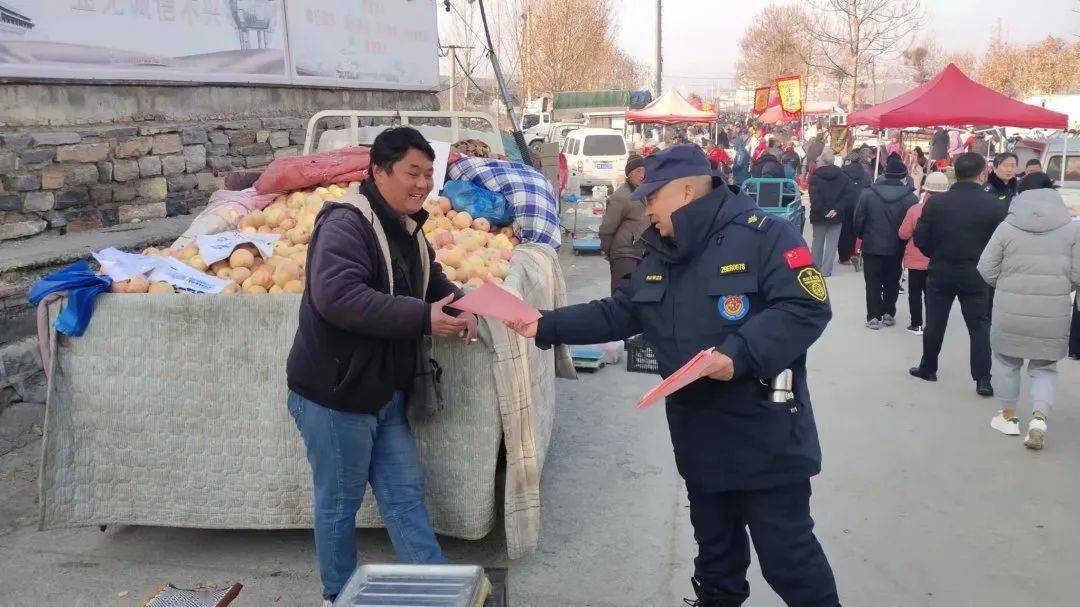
<point x="720" y="367"/>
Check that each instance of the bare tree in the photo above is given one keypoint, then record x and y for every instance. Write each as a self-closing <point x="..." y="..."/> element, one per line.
<point x="965" y="60"/>
<point x="775" y="44"/>
<point x="572" y="46"/>
<point x="1049" y="67"/>
<point x="854" y="33"/>
<point x="923" y="60"/>
<point x="1000" y="67"/>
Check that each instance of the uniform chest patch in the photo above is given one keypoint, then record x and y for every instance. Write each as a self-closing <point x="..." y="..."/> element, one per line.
<point x="733" y="307"/>
<point x="813" y="283"/>
<point x="733" y="268"/>
<point x="654" y="278"/>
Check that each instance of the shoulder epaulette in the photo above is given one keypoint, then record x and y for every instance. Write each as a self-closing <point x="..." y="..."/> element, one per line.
<point x="756" y="219"/>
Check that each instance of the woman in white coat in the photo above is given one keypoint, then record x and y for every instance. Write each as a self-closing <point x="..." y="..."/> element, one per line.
<point x="1033" y="260"/>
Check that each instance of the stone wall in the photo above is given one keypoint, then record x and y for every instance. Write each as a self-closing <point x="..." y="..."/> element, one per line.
<point x="90" y="177"/>
<point x="78" y="157"/>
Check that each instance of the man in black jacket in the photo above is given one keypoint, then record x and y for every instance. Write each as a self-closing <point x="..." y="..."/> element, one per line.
<point x="1002" y="182"/>
<point x="939" y="144"/>
<point x="720" y="275"/>
<point x="881" y="210"/>
<point x="373" y="293"/>
<point x="953" y="231"/>
<point x="860" y="178"/>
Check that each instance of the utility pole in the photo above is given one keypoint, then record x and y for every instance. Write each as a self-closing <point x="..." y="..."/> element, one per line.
<point x="453" y="49"/>
<point x="526" y="41"/>
<point x="659" y="47"/>
<point x="504" y="90"/>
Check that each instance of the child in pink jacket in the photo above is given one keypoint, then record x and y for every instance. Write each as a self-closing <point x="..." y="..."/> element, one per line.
<point x="914" y="261"/>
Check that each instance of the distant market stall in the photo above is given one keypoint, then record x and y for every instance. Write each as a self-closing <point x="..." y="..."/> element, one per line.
<point x="167" y="407"/>
<point x="670" y="108"/>
<point x="953" y="99"/>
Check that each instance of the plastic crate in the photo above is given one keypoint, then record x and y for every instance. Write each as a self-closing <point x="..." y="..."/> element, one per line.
<point x="415" y="585"/>
<point x="640" y="357"/>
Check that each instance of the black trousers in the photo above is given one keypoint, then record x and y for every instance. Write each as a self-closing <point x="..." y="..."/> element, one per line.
<point x="974" y="296"/>
<point x="845" y="247"/>
<point x="882" y="275"/>
<point x="916" y="289"/>
<point x="621" y="270"/>
<point x="780" y="525"/>
<point x="1074" y="333"/>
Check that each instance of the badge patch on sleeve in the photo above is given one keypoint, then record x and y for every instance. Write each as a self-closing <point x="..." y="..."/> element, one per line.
<point x="813" y="283"/>
<point x="733" y="307"/>
<point x="799" y="257"/>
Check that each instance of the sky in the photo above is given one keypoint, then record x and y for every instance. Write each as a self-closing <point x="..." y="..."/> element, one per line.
<point x="701" y="36"/>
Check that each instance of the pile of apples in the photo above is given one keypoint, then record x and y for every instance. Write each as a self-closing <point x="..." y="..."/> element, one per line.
<point x="248" y="272"/>
<point x="471" y="251"/>
<point x="292" y="216"/>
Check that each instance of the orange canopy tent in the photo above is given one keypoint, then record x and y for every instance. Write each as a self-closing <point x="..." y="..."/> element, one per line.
<point x="670" y="108"/>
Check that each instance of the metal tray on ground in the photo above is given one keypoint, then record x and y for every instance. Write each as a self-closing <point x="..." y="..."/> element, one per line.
<point x="415" y="586"/>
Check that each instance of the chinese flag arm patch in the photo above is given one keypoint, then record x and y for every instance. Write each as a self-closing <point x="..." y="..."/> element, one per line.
<point x="799" y="257"/>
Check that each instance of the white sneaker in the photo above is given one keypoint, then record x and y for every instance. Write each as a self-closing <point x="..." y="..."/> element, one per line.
<point x="1010" y="427"/>
<point x="1036" y="434"/>
<point x="326" y="603"/>
<point x="873" y="324"/>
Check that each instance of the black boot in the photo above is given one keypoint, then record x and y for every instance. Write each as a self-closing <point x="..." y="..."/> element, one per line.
<point x="983" y="387"/>
<point x="921" y="374"/>
<point x="704" y="600"/>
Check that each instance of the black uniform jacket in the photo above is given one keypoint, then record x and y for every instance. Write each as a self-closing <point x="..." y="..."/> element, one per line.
<point x="739" y="280"/>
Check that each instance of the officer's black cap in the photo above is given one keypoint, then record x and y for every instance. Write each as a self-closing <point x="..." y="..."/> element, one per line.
<point x="676" y="162"/>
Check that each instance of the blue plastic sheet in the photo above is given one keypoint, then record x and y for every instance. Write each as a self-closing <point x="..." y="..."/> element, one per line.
<point x="82" y="286"/>
<point x="478" y="201"/>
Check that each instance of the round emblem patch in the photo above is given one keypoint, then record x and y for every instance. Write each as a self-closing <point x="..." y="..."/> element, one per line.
<point x="733" y="307"/>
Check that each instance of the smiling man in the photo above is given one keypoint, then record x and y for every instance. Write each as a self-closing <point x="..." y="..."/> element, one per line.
<point x="371" y="281"/>
<point x="718" y="272"/>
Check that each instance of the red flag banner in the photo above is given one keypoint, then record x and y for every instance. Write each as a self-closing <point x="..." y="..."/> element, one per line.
<point x="761" y="99"/>
<point x="790" y="88"/>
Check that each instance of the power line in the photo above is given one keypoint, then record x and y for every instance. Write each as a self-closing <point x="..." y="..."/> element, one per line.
<point x="468" y="27"/>
<point x="469" y="77"/>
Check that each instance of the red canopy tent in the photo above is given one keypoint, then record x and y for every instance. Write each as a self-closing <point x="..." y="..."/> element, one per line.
<point x="670" y="108"/>
<point x="953" y="99"/>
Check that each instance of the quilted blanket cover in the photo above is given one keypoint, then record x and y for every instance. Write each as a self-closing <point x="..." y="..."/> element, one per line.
<point x="170" y="411"/>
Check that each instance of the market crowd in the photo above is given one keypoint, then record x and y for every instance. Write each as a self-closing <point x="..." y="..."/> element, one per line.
<point x="959" y="221"/>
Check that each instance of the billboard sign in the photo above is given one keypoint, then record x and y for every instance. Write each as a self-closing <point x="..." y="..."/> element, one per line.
<point x="340" y="43"/>
<point x="369" y="42"/>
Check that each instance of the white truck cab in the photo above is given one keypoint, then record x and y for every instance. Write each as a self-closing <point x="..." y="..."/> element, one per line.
<point x="1052" y="152"/>
<point x="535" y="127"/>
<point x="360" y="127"/>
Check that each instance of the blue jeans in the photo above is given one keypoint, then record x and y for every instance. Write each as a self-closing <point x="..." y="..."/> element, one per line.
<point x="346" y="452"/>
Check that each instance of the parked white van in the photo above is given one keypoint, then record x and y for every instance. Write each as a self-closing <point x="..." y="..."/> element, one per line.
<point x="596" y="157"/>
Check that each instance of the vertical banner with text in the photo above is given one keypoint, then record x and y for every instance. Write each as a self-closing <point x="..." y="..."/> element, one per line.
<point x="790" y="89"/>
<point x="761" y="99"/>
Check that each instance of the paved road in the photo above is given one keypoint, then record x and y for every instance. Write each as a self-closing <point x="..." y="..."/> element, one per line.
<point x="920" y="502"/>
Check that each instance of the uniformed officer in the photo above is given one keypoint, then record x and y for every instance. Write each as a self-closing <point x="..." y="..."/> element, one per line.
<point x="720" y="273"/>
